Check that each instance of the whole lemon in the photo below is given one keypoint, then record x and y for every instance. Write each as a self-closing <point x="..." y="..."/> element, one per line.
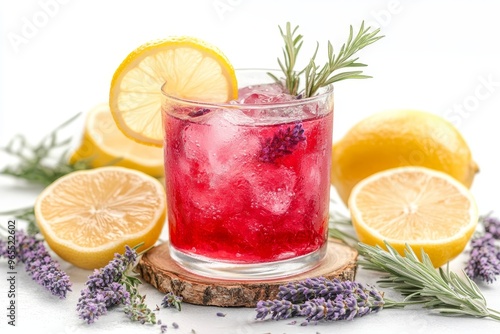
<point x="399" y="138"/>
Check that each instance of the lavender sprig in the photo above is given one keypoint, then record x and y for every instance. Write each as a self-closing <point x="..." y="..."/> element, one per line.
<point x="342" y="307"/>
<point x="321" y="287"/>
<point x="114" y="285"/>
<point x="282" y="143"/>
<point x="323" y="299"/>
<point x="138" y="310"/>
<point x="38" y="263"/>
<point x="277" y="309"/>
<point x="483" y="262"/>
<point x="171" y="300"/>
<point x="484" y="257"/>
<point x="96" y="298"/>
<point x="491" y="225"/>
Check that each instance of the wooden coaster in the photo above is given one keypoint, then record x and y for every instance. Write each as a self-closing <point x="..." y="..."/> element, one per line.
<point x="157" y="268"/>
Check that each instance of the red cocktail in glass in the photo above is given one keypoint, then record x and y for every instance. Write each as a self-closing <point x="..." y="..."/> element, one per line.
<point x="247" y="181"/>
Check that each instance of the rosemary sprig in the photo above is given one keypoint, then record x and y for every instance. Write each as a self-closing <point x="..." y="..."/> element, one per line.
<point x="35" y="165"/>
<point x="291" y="50"/>
<point x="440" y="290"/>
<point x="316" y="76"/>
<point x="27" y="214"/>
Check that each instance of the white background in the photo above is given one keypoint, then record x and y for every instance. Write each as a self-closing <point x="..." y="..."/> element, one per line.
<point x="57" y="59"/>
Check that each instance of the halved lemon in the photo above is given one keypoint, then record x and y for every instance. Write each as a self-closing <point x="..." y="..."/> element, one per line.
<point x="424" y="208"/>
<point x="88" y="216"/>
<point x="191" y="68"/>
<point x="103" y="144"/>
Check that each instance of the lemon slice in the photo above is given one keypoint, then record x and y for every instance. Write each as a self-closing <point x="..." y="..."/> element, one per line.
<point x="425" y="208"/>
<point x="88" y="216"/>
<point x="103" y="144"/>
<point x="191" y="68"/>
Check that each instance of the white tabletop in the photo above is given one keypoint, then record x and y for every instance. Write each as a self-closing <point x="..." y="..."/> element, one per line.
<point x="57" y="58"/>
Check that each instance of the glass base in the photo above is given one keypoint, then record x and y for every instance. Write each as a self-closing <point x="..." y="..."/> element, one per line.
<point x="254" y="271"/>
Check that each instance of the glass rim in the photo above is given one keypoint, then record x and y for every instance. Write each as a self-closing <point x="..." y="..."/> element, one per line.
<point x="325" y="91"/>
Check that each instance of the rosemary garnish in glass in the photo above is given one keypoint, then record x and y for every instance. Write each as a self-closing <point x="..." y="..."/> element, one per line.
<point x="314" y="75"/>
<point x="438" y="289"/>
<point x="36" y="163"/>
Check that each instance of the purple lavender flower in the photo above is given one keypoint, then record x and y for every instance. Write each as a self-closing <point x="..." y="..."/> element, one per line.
<point x="282" y="143"/>
<point x="319" y="287"/>
<point x="199" y="112"/>
<point x="104" y="289"/>
<point x="171" y="300"/>
<point x="342" y="307"/>
<point x="4" y="250"/>
<point x="93" y="304"/>
<point x="278" y="309"/>
<point x="322" y="299"/>
<point x="310" y="288"/>
<point x="492" y="226"/>
<point x="484" y="260"/>
<point x="39" y="264"/>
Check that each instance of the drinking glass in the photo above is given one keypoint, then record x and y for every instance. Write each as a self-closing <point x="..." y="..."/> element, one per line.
<point x="248" y="185"/>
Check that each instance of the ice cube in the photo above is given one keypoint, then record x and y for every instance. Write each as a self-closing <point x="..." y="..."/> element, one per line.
<point x="228" y="143"/>
<point x="192" y="139"/>
<point x="273" y="187"/>
<point x="312" y="169"/>
<point x="263" y="94"/>
<point x="228" y="197"/>
<point x="237" y="117"/>
<point x="203" y="140"/>
<point x="219" y="146"/>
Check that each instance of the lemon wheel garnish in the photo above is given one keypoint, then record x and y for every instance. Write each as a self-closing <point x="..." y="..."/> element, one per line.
<point x="427" y="209"/>
<point x="191" y="68"/>
<point x="88" y="216"/>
